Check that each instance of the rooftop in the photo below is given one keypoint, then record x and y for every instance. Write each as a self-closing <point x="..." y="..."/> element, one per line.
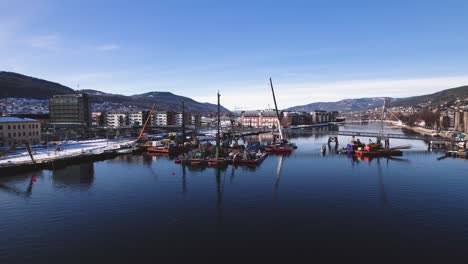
<point x="69" y="95"/>
<point x="12" y="119"/>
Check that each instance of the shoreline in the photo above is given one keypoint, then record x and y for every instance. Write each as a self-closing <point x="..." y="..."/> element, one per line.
<point x="71" y="153"/>
<point x="420" y="130"/>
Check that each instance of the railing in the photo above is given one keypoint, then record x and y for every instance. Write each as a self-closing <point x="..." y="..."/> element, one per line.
<point x="373" y="134"/>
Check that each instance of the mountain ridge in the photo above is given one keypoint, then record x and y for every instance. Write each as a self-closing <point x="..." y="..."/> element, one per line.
<point x="446" y="96"/>
<point x="17" y="85"/>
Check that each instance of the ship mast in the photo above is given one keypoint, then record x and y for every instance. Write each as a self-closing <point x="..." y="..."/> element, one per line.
<point x="217" y="133"/>
<point x="277" y="112"/>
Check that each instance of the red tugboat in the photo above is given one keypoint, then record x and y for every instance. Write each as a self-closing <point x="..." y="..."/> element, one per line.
<point x="170" y="149"/>
<point x="281" y="147"/>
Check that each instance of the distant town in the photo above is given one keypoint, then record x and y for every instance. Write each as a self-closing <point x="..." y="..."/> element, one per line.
<point x="61" y="113"/>
<point x="75" y="112"/>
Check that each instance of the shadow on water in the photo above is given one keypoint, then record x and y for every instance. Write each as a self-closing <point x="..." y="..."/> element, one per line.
<point x="20" y="191"/>
<point x="78" y="175"/>
<point x="219" y="193"/>
<point x="383" y="194"/>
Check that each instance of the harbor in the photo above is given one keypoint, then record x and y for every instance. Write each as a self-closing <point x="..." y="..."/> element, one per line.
<point x="190" y="204"/>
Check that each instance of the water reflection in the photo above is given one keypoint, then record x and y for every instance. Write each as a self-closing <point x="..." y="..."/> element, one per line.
<point x="219" y="194"/>
<point x="305" y="198"/>
<point x="383" y="194"/>
<point x="184" y="179"/>
<point x="78" y="175"/>
<point x="357" y="160"/>
<point x="277" y="180"/>
<point x="22" y="191"/>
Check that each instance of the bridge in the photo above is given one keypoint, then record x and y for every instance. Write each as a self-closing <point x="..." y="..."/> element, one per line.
<point x="377" y="135"/>
<point x="333" y="133"/>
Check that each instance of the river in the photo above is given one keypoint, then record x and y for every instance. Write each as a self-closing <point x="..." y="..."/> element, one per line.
<point x="305" y="204"/>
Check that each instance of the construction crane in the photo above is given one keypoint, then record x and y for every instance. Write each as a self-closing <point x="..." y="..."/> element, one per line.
<point x="14" y="146"/>
<point x="146" y="123"/>
<point x="277" y="112"/>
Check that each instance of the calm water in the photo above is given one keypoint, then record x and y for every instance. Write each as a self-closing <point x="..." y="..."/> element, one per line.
<point x="303" y="204"/>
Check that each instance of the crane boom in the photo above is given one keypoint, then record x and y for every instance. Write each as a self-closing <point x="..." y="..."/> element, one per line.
<point x="276" y="108"/>
<point x="146" y="122"/>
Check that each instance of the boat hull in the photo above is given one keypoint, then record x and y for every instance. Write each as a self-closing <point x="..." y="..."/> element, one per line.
<point x="381" y="153"/>
<point x="163" y="150"/>
<point x="279" y="150"/>
<point x="252" y="162"/>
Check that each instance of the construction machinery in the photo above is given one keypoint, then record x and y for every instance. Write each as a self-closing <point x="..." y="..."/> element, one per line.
<point x="14" y="146"/>
<point x="140" y="136"/>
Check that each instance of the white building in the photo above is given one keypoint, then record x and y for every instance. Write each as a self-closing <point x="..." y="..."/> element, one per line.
<point x="162" y="118"/>
<point x="138" y="118"/>
<point x="116" y="119"/>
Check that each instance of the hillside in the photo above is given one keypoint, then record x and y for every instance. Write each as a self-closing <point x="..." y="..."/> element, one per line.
<point x="20" y="86"/>
<point x="445" y="97"/>
<point x="346" y="105"/>
<point x="162" y="100"/>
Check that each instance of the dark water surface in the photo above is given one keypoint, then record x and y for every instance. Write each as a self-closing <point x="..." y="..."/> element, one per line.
<point x="305" y="204"/>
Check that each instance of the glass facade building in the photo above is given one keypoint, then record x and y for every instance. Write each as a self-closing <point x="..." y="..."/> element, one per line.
<point x="70" y="110"/>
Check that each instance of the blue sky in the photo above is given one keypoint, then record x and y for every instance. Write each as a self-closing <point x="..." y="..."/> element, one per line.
<point x="314" y="50"/>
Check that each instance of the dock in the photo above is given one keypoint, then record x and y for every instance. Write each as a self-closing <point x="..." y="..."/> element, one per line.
<point x="76" y="151"/>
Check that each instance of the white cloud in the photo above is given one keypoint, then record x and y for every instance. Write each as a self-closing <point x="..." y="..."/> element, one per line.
<point x="108" y="47"/>
<point x="49" y="42"/>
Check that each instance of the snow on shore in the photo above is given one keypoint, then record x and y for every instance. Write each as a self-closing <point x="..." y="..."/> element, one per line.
<point x="69" y="149"/>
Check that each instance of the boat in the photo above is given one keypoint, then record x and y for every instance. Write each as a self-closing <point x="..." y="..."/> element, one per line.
<point x="282" y="146"/>
<point x="217" y="163"/>
<point x="378" y="153"/>
<point x="196" y="162"/>
<point x="165" y="148"/>
<point x="376" y="150"/>
<point x="205" y="155"/>
<point x="249" y="158"/>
